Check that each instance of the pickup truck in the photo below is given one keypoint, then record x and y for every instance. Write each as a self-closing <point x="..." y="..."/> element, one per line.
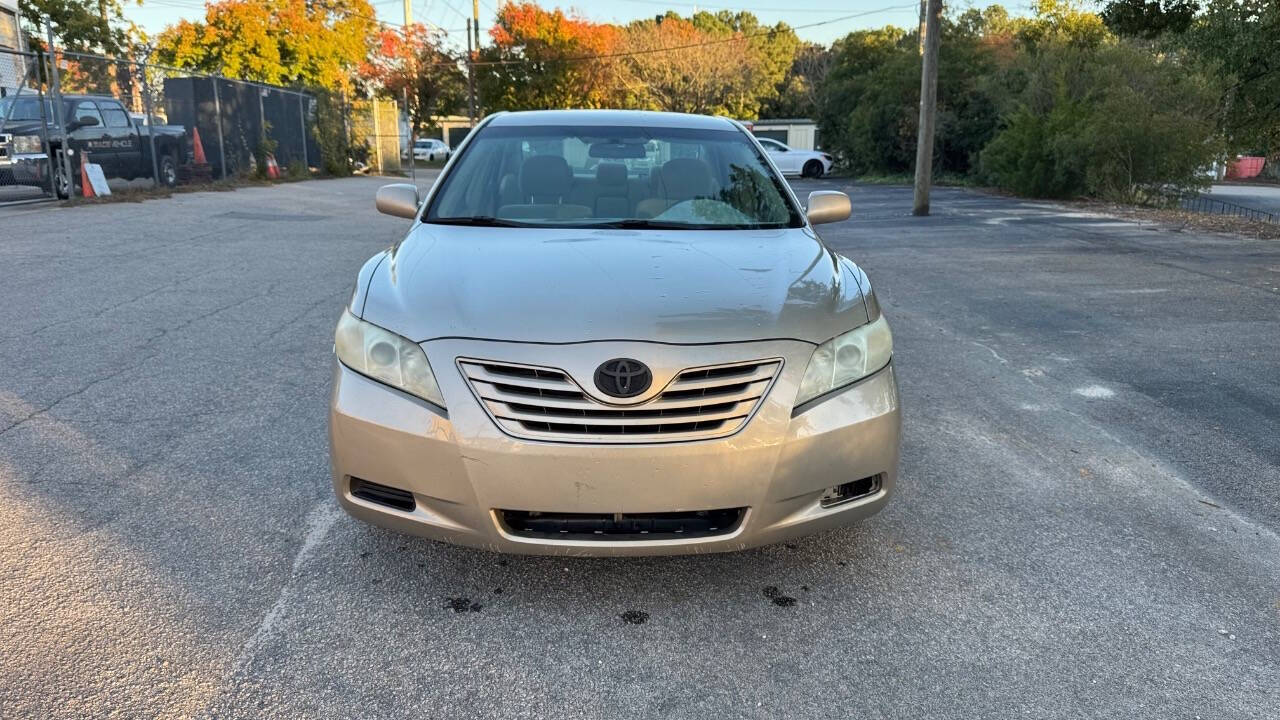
<point x="96" y="124"/>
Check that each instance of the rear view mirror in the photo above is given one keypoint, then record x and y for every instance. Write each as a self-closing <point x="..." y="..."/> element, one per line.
<point x="828" y="206"/>
<point x="616" y="150"/>
<point x="398" y="199"/>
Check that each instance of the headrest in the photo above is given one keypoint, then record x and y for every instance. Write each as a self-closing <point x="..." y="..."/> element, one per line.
<point x="611" y="174"/>
<point x="685" y="178"/>
<point x="545" y="176"/>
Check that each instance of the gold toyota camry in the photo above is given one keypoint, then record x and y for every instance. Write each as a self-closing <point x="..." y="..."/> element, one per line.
<point x="612" y="333"/>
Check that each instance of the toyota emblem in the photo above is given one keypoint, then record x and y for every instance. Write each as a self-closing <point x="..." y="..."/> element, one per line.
<point x="623" y="377"/>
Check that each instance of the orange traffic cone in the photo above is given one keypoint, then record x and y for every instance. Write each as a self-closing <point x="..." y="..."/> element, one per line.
<point x="86" y="187"/>
<point x="273" y="170"/>
<point x="199" y="147"/>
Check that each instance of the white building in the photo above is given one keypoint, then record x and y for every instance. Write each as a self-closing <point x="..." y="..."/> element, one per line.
<point x="798" y="133"/>
<point x="11" y="65"/>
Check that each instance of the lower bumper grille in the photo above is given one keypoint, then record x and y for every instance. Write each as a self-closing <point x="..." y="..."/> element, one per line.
<point x="850" y="491"/>
<point x="383" y="495"/>
<point x="622" y="526"/>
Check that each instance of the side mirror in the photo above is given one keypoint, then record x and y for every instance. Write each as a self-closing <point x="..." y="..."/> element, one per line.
<point x="398" y="199"/>
<point x="81" y="122"/>
<point x="828" y="206"/>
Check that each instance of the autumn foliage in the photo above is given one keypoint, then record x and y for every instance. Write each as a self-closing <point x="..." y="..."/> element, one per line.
<point x="283" y="42"/>
<point x="412" y="63"/>
<point x="711" y="63"/>
<point x="546" y="59"/>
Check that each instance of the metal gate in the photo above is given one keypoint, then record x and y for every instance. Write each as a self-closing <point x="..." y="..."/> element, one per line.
<point x="26" y="123"/>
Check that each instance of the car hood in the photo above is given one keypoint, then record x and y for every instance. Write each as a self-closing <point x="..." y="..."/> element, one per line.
<point x="23" y="127"/>
<point x="581" y="285"/>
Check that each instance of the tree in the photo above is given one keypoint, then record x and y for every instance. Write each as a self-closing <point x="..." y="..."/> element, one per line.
<point x="1112" y="121"/>
<point x="1149" y="19"/>
<point x="678" y="67"/>
<point x="1060" y="21"/>
<point x="413" y="60"/>
<point x="799" y="95"/>
<point x="546" y="59"/>
<point x="870" y="100"/>
<point x="773" y="52"/>
<point x="282" y="42"/>
<point x="78" y="25"/>
<point x="1239" y="41"/>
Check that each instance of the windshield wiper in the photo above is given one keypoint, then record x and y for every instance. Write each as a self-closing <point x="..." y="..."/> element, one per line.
<point x="477" y="221"/>
<point x="639" y="224"/>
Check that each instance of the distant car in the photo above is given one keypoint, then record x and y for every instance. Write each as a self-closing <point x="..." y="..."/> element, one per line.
<point x="790" y="161"/>
<point x="431" y="150"/>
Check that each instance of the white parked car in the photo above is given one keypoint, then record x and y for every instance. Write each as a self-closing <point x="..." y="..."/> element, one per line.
<point x="790" y="161"/>
<point x="430" y="150"/>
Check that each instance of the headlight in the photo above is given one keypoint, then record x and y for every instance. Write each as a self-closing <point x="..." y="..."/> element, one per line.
<point x="385" y="357"/>
<point x="847" y="358"/>
<point x="27" y="144"/>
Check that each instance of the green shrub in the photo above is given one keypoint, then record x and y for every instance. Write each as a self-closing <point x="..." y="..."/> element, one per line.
<point x="870" y="99"/>
<point x="1111" y="121"/>
<point x="331" y="134"/>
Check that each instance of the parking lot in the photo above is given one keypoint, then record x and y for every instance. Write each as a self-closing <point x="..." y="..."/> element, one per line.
<point x="1086" y="522"/>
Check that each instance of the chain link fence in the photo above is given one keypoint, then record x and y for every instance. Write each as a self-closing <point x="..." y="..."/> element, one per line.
<point x="25" y="171"/>
<point x="66" y="116"/>
<point x="381" y="142"/>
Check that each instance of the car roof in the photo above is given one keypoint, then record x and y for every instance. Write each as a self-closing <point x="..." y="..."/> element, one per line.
<point x="645" y="118"/>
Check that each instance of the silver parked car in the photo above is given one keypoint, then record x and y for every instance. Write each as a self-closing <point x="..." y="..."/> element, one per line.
<point x="612" y="333"/>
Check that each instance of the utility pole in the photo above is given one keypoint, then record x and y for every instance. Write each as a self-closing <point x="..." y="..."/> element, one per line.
<point x="413" y="75"/>
<point x="928" y="107"/>
<point x="473" y="50"/>
<point x="471" y="77"/>
<point x="924" y="5"/>
<point x="475" y="21"/>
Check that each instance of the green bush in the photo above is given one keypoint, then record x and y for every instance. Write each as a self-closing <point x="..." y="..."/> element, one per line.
<point x="331" y="135"/>
<point x="870" y="100"/>
<point x="1111" y="121"/>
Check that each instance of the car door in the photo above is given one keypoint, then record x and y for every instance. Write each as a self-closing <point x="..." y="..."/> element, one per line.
<point x="92" y="138"/>
<point x="126" y="150"/>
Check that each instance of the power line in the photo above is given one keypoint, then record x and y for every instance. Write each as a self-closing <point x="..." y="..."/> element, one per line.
<point x="732" y="38"/>
<point x="449" y="4"/>
<point x="706" y="6"/>
<point x="191" y="4"/>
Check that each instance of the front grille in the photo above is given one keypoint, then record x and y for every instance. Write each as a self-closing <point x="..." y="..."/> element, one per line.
<point x="546" y="404"/>
<point x="622" y="526"/>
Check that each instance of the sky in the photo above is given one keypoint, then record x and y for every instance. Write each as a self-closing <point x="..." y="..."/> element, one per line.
<point x="451" y="15"/>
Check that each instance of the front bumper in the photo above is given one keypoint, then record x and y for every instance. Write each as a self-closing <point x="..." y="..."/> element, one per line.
<point x="24" y="169"/>
<point x="462" y="470"/>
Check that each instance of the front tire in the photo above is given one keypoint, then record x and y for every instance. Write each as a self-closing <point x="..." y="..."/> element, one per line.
<point x="812" y="169"/>
<point x="168" y="170"/>
<point x="63" y="187"/>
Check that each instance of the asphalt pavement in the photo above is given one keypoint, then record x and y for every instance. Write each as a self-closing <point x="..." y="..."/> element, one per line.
<point x="1256" y="197"/>
<point x="1086" y="523"/>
